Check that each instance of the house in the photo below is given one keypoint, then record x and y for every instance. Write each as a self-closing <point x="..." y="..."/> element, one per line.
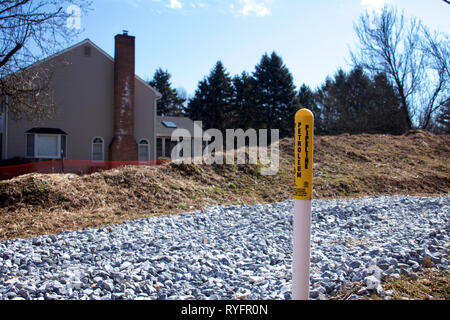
<point x="166" y="126"/>
<point x="104" y="111"/>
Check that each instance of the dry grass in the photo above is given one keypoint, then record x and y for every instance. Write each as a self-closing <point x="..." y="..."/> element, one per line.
<point x="345" y="166"/>
<point x="431" y="284"/>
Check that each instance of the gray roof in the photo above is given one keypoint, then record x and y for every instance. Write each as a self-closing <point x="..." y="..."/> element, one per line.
<point x="180" y="122"/>
<point x="46" y="131"/>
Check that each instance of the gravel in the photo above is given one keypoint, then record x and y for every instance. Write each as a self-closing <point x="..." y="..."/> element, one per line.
<point x="234" y="252"/>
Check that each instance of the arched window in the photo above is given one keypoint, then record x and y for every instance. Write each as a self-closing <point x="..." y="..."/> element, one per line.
<point x="98" y="149"/>
<point x="144" y="150"/>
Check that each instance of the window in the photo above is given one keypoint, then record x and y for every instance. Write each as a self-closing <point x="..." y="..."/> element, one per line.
<point x="30" y="145"/>
<point x="170" y="145"/>
<point x="168" y="148"/>
<point x="45" y="143"/>
<point x="63" y="146"/>
<point x="159" y="148"/>
<point x="98" y="149"/>
<point x="144" y="150"/>
<point x="47" y="146"/>
<point x="169" y="124"/>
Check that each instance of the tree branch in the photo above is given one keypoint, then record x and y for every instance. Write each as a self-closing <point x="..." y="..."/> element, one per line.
<point x="16" y="5"/>
<point x="10" y="54"/>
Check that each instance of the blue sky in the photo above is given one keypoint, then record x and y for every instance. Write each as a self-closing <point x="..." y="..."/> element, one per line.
<point x="187" y="37"/>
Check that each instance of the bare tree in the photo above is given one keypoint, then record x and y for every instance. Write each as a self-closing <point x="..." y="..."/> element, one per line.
<point x="436" y="91"/>
<point x="412" y="59"/>
<point x="31" y="30"/>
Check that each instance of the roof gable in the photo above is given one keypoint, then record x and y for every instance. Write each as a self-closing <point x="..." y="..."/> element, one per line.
<point x="112" y="59"/>
<point x="104" y="53"/>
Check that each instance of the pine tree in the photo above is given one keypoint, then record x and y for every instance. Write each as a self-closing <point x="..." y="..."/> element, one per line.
<point x="385" y="107"/>
<point x="274" y="95"/>
<point x="307" y="99"/>
<point x="171" y="103"/>
<point x="196" y="108"/>
<point x="244" y="111"/>
<point x="443" y="118"/>
<point x="213" y="99"/>
<point x="355" y="103"/>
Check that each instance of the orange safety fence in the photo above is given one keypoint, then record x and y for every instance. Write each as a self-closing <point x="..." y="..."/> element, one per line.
<point x="79" y="167"/>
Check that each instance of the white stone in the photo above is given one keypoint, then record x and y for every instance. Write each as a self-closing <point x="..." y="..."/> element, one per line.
<point x="372" y="282"/>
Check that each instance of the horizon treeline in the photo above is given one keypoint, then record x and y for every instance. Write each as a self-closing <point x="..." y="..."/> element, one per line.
<point x="349" y="102"/>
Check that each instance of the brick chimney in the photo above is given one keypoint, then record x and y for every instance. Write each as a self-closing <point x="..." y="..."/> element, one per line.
<point x="123" y="146"/>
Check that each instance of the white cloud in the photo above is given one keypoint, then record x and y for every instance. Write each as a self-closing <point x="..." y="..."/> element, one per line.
<point x="374" y="4"/>
<point x="259" y="8"/>
<point x="175" y="4"/>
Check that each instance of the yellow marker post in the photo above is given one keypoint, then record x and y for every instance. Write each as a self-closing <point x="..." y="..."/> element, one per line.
<point x="304" y="135"/>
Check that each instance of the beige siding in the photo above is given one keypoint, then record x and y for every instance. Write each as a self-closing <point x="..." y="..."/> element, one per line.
<point x="84" y="94"/>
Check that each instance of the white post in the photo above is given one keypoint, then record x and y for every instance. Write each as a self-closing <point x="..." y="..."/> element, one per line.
<point x="304" y="133"/>
<point x="302" y="238"/>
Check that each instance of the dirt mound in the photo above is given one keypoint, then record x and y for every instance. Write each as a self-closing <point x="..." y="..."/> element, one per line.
<point x="416" y="163"/>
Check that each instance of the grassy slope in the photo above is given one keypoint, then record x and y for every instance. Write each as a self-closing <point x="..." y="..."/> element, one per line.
<point x="345" y="166"/>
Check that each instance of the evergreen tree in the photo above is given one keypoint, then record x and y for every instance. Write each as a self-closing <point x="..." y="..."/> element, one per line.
<point x="443" y="118"/>
<point x="355" y="103"/>
<point x="307" y="99"/>
<point x="274" y="95"/>
<point x="171" y="103"/>
<point x="213" y="99"/>
<point x="244" y="111"/>
<point x="385" y="108"/>
<point x="197" y="105"/>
